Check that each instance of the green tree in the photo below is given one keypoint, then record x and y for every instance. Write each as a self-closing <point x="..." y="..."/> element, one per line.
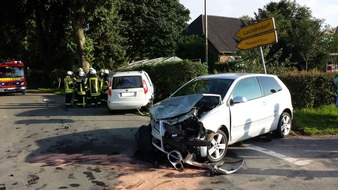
<point x="104" y="26"/>
<point x="152" y="27"/>
<point x="49" y="21"/>
<point x="13" y="29"/>
<point x="332" y="35"/>
<point x="191" y="47"/>
<point x="299" y="34"/>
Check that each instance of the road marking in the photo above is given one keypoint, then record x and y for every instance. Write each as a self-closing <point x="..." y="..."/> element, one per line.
<point x="296" y="161"/>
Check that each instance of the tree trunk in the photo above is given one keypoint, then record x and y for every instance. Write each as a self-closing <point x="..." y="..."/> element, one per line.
<point x="77" y="23"/>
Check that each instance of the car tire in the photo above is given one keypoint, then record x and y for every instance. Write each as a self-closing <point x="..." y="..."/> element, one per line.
<point x="284" y="125"/>
<point x="143" y="140"/>
<point x="219" y="145"/>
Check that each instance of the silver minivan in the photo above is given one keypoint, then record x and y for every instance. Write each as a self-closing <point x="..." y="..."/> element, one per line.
<point x="130" y="90"/>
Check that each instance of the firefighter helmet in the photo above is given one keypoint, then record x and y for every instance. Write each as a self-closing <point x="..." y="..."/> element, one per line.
<point x="69" y="73"/>
<point x="92" y="71"/>
<point x="81" y="73"/>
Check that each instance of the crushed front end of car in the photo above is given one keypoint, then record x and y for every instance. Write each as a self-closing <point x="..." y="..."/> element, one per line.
<point x="177" y="131"/>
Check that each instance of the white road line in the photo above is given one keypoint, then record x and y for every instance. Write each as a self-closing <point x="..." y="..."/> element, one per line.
<point x="296" y="161"/>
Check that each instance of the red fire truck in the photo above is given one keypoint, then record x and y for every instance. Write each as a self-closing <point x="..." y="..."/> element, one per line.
<point x="12" y="77"/>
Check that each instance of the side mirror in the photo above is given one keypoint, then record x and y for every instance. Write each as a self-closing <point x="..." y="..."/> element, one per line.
<point x="238" y="99"/>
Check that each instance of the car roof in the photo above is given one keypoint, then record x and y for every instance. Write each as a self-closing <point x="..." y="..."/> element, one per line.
<point x="127" y="73"/>
<point x="232" y="75"/>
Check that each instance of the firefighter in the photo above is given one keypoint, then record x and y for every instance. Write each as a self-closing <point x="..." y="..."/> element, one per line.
<point x="69" y="81"/>
<point x="81" y="88"/>
<point x="103" y="83"/>
<point x="94" y="89"/>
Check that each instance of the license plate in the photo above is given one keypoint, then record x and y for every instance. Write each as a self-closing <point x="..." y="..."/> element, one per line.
<point x="128" y="94"/>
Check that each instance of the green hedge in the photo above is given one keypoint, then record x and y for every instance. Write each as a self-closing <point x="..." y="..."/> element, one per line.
<point x="310" y="89"/>
<point x="168" y="76"/>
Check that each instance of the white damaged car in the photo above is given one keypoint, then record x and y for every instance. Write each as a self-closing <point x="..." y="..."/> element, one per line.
<point x="208" y="113"/>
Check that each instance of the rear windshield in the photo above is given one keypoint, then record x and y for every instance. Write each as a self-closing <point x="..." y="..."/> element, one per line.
<point x="127" y="82"/>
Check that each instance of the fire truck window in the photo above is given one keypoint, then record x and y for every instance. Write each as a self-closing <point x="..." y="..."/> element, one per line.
<point x="18" y="72"/>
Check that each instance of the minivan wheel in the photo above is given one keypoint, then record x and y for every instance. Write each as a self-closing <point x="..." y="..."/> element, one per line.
<point x="284" y="125"/>
<point x="219" y="145"/>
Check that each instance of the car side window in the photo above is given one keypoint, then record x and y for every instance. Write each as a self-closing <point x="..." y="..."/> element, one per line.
<point x="269" y="85"/>
<point x="248" y="88"/>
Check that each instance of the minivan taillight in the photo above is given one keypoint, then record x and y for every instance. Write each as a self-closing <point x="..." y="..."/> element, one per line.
<point x="145" y="87"/>
<point x="110" y="91"/>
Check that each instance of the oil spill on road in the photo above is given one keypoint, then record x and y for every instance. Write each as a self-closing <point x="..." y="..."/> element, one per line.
<point x="32" y="179"/>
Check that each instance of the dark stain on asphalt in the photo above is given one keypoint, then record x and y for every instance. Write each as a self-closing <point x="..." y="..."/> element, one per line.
<point x="2" y="187"/>
<point x="74" y="185"/>
<point x="32" y="179"/>
<point x="89" y="175"/>
<point x="99" y="183"/>
<point x="97" y="170"/>
<point x="71" y="176"/>
<point x="42" y="187"/>
<point x="217" y="182"/>
<point x="309" y="178"/>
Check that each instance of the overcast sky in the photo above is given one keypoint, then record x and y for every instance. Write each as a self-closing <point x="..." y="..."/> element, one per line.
<point x="321" y="9"/>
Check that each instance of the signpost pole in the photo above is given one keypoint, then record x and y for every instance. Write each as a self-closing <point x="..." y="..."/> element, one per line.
<point x="206" y="32"/>
<point x="262" y="58"/>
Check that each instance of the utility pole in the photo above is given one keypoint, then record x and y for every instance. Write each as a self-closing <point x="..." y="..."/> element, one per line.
<point x="206" y="31"/>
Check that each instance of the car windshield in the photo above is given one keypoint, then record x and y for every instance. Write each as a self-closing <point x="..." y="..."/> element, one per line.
<point x="11" y="72"/>
<point x="205" y="86"/>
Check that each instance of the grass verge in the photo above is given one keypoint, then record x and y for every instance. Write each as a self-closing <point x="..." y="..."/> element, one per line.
<point x="316" y="121"/>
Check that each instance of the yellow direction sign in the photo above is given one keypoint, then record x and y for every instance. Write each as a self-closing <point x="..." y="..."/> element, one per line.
<point x="256" y="41"/>
<point x="258" y="28"/>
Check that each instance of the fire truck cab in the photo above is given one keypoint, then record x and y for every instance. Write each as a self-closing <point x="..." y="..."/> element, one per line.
<point x="12" y="77"/>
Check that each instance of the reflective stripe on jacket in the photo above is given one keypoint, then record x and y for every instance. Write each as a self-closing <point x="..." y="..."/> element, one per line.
<point x="94" y="86"/>
<point x="69" y="84"/>
<point x="80" y="86"/>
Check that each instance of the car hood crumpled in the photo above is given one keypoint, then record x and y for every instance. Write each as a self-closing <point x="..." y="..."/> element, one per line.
<point x="175" y="106"/>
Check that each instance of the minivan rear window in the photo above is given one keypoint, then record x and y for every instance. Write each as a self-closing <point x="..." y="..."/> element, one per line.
<point x="123" y="82"/>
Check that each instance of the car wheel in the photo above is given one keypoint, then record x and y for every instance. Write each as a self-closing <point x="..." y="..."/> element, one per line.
<point x="284" y="125"/>
<point x="219" y="145"/>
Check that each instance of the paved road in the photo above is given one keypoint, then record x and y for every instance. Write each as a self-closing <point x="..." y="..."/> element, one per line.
<point x="45" y="146"/>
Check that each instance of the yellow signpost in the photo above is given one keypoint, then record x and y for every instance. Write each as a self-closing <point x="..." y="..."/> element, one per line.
<point x="257" y="35"/>
<point x="256" y="41"/>
<point x="255" y="29"/>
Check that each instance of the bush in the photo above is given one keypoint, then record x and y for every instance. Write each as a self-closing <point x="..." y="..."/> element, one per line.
<point x="310" y="89"/>
<point x="168" y="76"/>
